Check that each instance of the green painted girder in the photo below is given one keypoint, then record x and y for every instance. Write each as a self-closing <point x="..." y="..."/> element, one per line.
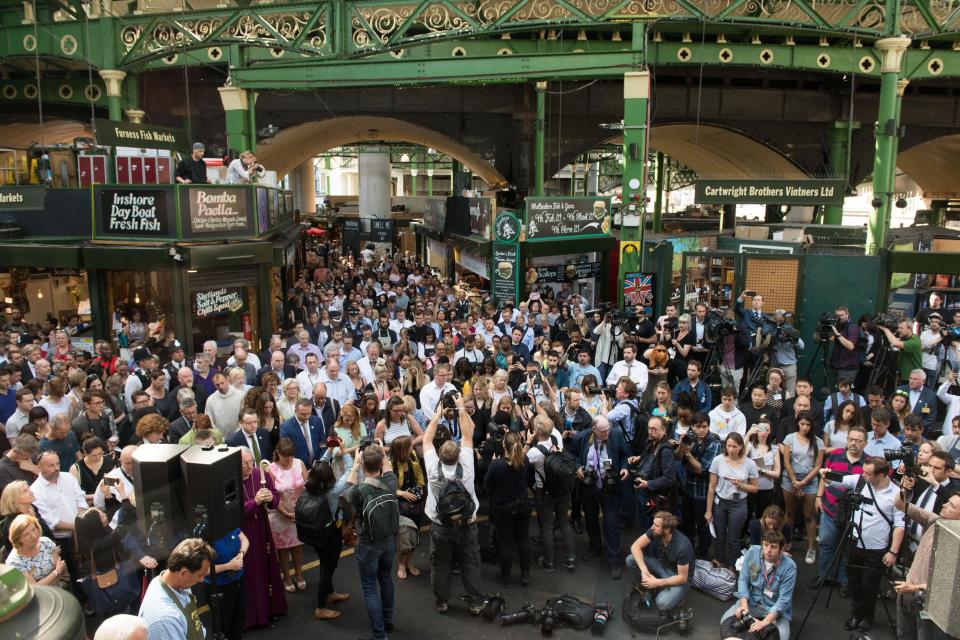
<point x="75" y="89"/>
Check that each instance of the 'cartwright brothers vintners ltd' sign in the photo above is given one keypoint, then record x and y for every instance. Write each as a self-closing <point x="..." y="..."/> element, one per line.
<point x="798" y="192"/>
<point x="218" y="211"/>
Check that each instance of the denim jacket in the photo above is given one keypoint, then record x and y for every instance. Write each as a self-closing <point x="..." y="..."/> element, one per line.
<point x="770" y="593"/>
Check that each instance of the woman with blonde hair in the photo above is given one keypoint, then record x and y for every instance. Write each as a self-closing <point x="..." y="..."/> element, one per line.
<point x="287" y="405"/>
<point x="415" y="380"/>
<point x="500" y="389"/>
<point x="506" y="484"/>
<point x="34" y="555"/>
<point x="352" y="371"/>
<point x="379" y="386"/>
<point x="17" y="499"/>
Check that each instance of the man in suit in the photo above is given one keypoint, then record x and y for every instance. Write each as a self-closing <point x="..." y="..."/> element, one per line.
<point x="923" y="402"/>
<point x="506" y="324"/>
<point x="251" y="436"/>
<point x="182" y="425"/>
<point x="602" y="452"/>
<point x="277" y="366"/>
<point x="306" y="432"/>
<point x="276" y="344"/>
<point x="930" y="491"/>
<point x="327" y="410"/>
<point x="185" y="380"/>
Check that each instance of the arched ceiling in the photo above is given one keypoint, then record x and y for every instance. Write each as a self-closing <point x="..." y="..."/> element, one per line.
<point x="933" y="164"/>
<point x="712" y="151"/>
<point x="20" y="135"/>
<point x="291" y="147"/>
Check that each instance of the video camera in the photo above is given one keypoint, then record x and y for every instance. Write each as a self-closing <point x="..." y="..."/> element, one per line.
<point x="718" y="326"/>
<point x="827" y="323"/>
<point x="522" y="398"/>
<point x="889" y="320"/>
<point x="610" y="390"/>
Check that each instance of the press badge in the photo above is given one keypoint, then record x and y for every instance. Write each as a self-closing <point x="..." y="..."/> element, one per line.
<point x="768" y="593"/>
<point x="925" y="410"/>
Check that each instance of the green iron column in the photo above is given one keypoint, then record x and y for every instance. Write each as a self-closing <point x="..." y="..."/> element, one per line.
<point x="885" y="132"/>
<point x="113" y="79"/>
<point x="237" y="106"/>
<point x="636" y="99"/>
<point x="538" y="139"/>
<point x="892" y="178"/>
<point x="658" y="199"/>
<point x="838" y="137"/>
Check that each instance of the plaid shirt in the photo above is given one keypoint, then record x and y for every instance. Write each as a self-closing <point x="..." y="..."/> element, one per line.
<point x="695" y="486"/>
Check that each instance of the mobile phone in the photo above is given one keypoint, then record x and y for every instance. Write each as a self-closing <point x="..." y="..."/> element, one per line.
<point x="111" y="482"/>
<point x="750" y="293"/>
<point x="833" y="475"/>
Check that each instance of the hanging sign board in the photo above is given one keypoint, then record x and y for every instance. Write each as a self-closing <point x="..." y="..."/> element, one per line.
<point x="210" y="303"/>
<point x="382" y="230"/>
<point x="566" y="218"/>
<point x="22" y="198"/>
<point x="792" y="192"/>
<point x="112" y="133"/>
<point x="562" y="272"/>
<point x="504" y="272"/>
<point x="222" y="211"/>
<point x="137" y="212"/>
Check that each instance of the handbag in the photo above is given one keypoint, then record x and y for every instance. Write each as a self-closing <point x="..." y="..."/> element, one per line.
<point x="106" y="579"/>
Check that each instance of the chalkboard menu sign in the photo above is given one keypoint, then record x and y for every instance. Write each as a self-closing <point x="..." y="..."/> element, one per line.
<point x="221" y="211"/>
<point x="561" y="272"/>
<point x="504" y="271"/>
<point x="566" y="218"/>
<point x="134" y="212"/>
<point x="382" y="230"/>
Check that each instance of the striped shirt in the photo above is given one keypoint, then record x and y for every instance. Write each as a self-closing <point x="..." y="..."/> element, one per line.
<point x="837" y="462"/>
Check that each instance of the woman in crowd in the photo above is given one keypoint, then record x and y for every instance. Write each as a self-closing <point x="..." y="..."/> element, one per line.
<point x="289" y="475"/>
<point x="17" y="499"/>
<point x="288" y="403"/>
<point x="762" y="449"/>
<point x="732" y="477"/>
<point x="349" y="429"/>
<point x="152" y="428"/>
<point x="776" y="394"/>
<point x="771" y="519"/>
<point x="802" y="455"/>
<point x="661" y="406"/>
<point x="379" y="386"/>
<point x="415" y="378"/>
<point x="506" y="482"/>
<point x="163" y="402"/>
<point x="900" y="406"/>
<point x="835" y="433"/>
<point x="318" y="487"/>
<point x="100" y="551"/>
<point x="411" y="494"/>
<point x="34" y="555"/>
<point x="271" y="385"/>
<point x="137" y="327"/>
<point x="231" y="587"/>
<point x="410" y="404"/>
<point x="397" y="422"/>
<point x="500" y="389"/>
<point x="90" y="469"/>
<point x="61" y="347"/>
<point x="57" y="401"/>
<point x="238" y="379"/>
<point x="352" y="371"/>
<point x="268" y="417"/>
<point x="482" y="400"/>
<point x="368" y="414"/>
<point x="77" y="381"/>
<point x="594" y="403"/>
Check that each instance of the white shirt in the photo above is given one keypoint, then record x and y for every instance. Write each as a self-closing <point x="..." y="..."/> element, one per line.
<point x="366" y="369"/>
<point x="60" y="501"/>
<point x="307" y="381"/>
<point x="15" y="423"/>
<point x="927" y="339"/>
<point x="953" y="407"/>
<point x="636" y="371"/>
<point x="876" y="529"/>
<point x="536" y="457"/>
<point x="432" y="461"/>
<point x="430" y="397"/>
<point x="474" y="355"/>
<point x="100" y="502"/>
<point x="340" y="389"/>
<point x="397" y="326"/>
<point x="723" y="423"/>
<point x="224" y="410"/>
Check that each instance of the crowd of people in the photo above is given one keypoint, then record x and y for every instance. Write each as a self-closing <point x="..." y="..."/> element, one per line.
<point x="393" y="402"/>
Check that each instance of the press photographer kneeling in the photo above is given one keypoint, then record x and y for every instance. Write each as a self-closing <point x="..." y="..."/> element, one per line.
<point x="660" y="559"/>
<point x="765" y="592"/>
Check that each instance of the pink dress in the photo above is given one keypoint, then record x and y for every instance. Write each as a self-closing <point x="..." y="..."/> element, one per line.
<point x="289" y="484"/>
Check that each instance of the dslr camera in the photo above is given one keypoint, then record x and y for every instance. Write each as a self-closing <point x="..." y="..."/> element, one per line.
<point x="611" y="478"/>
<point x="449" y="400"/>
<point x="906" y="456"/>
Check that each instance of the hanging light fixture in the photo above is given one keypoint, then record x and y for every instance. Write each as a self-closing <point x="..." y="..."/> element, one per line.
<point x="136" y="298"/>
<point x="39" y="294"/>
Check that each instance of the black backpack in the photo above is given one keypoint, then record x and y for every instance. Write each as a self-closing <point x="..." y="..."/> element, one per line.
<point x="316" y="525"/>
<point x="639" y="612"/>
<point x="559" y="470"/>
<point x="639" y="442"/>
<point x="455" y="505"/>
<point x="380" y="512"/>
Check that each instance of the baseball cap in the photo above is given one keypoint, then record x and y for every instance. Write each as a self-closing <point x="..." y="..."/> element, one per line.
<point x="198" y="145"/>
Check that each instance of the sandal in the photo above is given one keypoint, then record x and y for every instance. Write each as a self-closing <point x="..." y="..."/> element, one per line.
<point x="326" y="614"/>
<point x="288" y="586"/>
<point x="301" y="583"/>
<point x="334" y="598"/>
<point x="412" y="570"/>
<point x="402" y="572"/>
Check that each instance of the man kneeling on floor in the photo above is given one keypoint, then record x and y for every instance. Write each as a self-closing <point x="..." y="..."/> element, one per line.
<point x="765" y="592"/>
<point x="661" y="559"/>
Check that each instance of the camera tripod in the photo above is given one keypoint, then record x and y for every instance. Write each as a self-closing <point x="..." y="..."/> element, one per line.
<point x="881" y="373"/>
<point x="846" y="540"/>
<point x="714" y="368"/>
<point x="821" y="359"/>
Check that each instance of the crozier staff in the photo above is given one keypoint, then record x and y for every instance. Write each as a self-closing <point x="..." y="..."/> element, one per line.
<point x="243" y="169"/>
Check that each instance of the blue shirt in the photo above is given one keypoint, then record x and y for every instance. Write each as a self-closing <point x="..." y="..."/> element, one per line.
<point x="8" y="404"/>
<point x="621" y="417"/>
<point x="577" y="372"/>
<point x="67" y="449"/>
<point x="227" y="548"/>
<point x="164" y="619"/>
<point x="875" y="447"/>
<point x="702" y="392"/>
<point x="768" y="591"/>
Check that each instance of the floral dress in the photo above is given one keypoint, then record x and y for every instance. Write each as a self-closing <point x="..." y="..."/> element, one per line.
<point x="289" y="484"/>
<point x="40" y="565"/>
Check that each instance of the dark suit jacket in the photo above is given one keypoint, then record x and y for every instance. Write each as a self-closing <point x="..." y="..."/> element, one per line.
<point x="331" y="411"/>
<point x="291" y="429"/>
<point x="289" y="371"/>
<point x="616" y="448"/>
<point x="178" y="429"/>
<point x="239" y="439"/>
<point x="199" y="393"/>
<point x="925" y="408"/>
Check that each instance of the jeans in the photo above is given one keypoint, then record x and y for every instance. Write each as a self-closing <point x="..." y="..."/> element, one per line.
<point x="549" y="511"/>
<point x="759" y="501"/>
<point x="694" y="526"/>
<point x="782" y="624"/>
<point x="829" y="542"/>
<point x="446" y="545"/>
<point x="608" y="501"/>
<point x="865" y="571"/>
<point x="728" y="519"/>
<point x="512" y="528"/>
<point x="375" y="564"/>
<point x="669" y="597"/>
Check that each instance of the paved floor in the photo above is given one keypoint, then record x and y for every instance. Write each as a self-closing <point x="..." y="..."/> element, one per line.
<point x="415" y="618"/>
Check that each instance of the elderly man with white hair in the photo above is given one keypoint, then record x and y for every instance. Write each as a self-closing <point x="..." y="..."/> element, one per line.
<point x="122" y="626"/>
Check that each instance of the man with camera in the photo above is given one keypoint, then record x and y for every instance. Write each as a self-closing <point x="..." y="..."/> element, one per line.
<point x="656" y="474"/>
<point x="909" y="345"/>
<point x="931" y="341"/>
<point x="878" y="534"/>
<point x="698" y="448"/>
<point x="844" y="359"/>
<point x="640" y="328"/>
<point x="452" y="509"/>
<point x="552" y="499"/>
<point x="661" y="560"/>
<point x="602" y="455"/>
<point x="922" y="401"/>
<point x="786" y="342"/>
<point x="765" y="591"/>
<point x="244" y="169"/>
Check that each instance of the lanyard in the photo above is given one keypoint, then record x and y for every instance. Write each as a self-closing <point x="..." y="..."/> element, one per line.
<point x="768" y="582"/>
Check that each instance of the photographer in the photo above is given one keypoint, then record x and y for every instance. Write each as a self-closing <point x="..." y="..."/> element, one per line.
<point x="661" y="559"/>
<point x="908" y="344"/>
<point x="506" y="484"/>
<point x="765" y="591"/>
<point x="949" y="395"/>
<point x="602" y="454"/>
<point x="845" y="359"/>
<point x="930" y="491"/>
<point x="622" y="415"/>
<point x="552" y="503"/>
<point x="640" y="328"/>
<point x="698" y="327"/>
<point x="931" y="339"/>
<point x="697" y="457"/>
<point x="244" y="169"/>
<point x="656" y="474"/>
<point x="880" y="534"/>
<point x="609" y="340"/>
<point x="787" y="341"/>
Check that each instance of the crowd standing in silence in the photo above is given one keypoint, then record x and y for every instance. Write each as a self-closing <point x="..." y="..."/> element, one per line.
<point x="393" y="400"/>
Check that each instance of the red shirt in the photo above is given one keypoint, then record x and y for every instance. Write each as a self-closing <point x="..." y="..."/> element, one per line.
<point x="838" y="462"/>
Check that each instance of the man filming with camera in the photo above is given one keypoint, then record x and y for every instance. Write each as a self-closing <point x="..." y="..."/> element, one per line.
<point x="786" y="341"/>
<point x="844" y="360"/>
<point x="765" y="591"/>
<point x="657" y="473"/>
<point x="244" y="169"/>
<point x="698" y="448"/>
<point x="911" y="356"/>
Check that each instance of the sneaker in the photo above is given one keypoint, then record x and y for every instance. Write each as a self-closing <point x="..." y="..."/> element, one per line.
<point x="441" y="606"/>
<point x="811" y="556"/>
<point x="570" y="564"/>
<point x="476" y="608"/>
<point x="546" y="566"/>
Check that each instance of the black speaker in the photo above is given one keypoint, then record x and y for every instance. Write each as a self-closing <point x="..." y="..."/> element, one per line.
<point x="214" y="495"/>
<point x="158" y="490"/>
